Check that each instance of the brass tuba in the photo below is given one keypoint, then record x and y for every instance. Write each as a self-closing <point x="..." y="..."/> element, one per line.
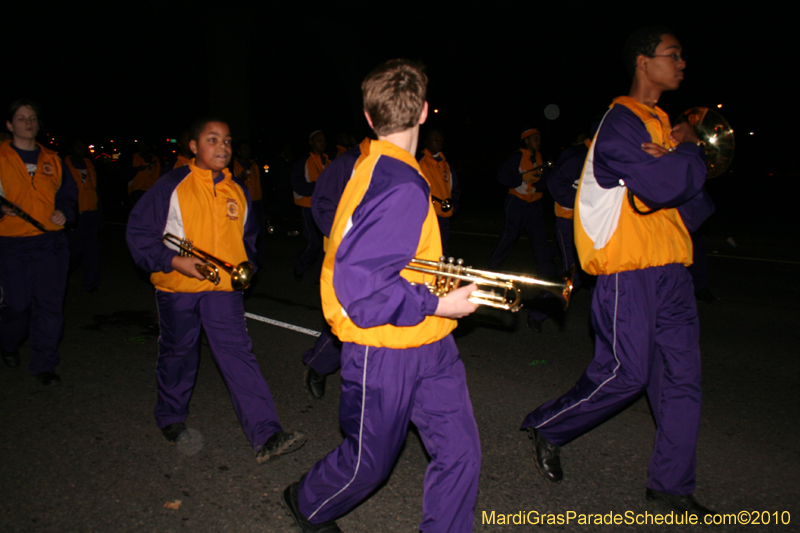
<point x="715" y="134"/>
<point x="503" y="290"/>
<point x="241" y="274"/>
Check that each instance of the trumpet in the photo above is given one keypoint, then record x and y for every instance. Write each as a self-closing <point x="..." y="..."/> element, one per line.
<point x="502" y="292"/>
<point x="447" y="203"/>
<point x="241" y="274"/>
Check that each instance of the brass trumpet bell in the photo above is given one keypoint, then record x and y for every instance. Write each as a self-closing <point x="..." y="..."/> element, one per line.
<point x="501" y="291"/>
<point x="241" y="274"/>
<point x="716" y="135"/>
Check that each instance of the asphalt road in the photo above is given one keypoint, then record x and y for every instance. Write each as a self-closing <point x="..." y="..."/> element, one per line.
<point x="87" y="456"/>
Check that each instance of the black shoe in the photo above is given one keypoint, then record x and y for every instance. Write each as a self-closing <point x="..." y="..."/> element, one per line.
<point x="685" y="503"/>
<point x="11" y="359"/>
<point x="548" y="457"/>
<point x="281" y="443"/>
<point x="173" y="431"/>
<point x="534" y="325"/>
<point x="290" y="503"/>
<point x="705" y="295"/>
<point x="48" y="379"/>
<point x="315" y="383"/>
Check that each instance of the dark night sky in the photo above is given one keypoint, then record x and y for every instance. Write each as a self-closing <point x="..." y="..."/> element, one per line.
<point x="280" y="72"/>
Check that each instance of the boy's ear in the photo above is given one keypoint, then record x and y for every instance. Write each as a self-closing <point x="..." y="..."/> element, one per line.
<point x="424" y="115"/>
<point x="369" y="120"/>
<point x="193" y="146"/>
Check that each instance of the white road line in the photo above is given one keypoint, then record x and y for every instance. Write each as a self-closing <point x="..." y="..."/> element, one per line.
<point x="280" y="324"/>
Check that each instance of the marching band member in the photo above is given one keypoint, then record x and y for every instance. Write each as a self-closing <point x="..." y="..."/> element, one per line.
<point x="84" y="239"/>
<point x="201" y="202"/>
<point x="522" y="174"/>
<point x="443" y="181"/>
<point x="33" y="260"/>
<point x="643" y="309"/>
<point x="304" y="178"/>
<point x="247" y="171"/>
<point x="325" y="357"/>
<point x="399" y="361"/>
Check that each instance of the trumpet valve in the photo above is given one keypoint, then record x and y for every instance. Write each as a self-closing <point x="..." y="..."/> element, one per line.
<point x="210" y="272"/>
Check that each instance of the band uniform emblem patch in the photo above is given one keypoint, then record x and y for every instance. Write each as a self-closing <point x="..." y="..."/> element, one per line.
<point x="48" y="169"/>
<point x="232" y="209"/>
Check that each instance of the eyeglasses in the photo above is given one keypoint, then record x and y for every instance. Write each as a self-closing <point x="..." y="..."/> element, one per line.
<point x="675" y="57"/>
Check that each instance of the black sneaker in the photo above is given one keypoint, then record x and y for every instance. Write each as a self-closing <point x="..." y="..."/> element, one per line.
<point x="290" y="503"/>
<point x="48" y="379"/>
<point x="281" y="443"/>
<point x="173" y="431"/>
<point x="11" y="359"/>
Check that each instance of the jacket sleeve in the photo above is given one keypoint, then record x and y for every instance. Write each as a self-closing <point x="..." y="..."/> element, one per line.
<point x="66" y="199"/>
<point x="455" y="189"/>
<point x="696" y="210"/>
<point x="666" y="181"/>
<point x="146" y="225"/>
<point x="563" y="180"/>
<point x="298" y="178"/>
<point x="382" y="240"/>
<point x="508" y="174"/>
<point x="250" y="227"/>
<point x="328" y="191"/>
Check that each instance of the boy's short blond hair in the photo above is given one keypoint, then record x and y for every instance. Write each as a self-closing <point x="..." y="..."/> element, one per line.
<point x="394" y="95"/>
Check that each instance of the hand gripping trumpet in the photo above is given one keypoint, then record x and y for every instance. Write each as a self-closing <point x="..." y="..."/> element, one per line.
<point x="241" y="274"/>
<point x="502" y="292"/>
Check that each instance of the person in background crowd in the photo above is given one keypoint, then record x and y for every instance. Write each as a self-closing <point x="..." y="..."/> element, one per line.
<point x="304" y="178"/>
<point x="84" y="238"/>
<point x="246" y="170"/>
<point x="39" y="198"/>
<point x="445" y="188"/>
<point x="146" y="171"/>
